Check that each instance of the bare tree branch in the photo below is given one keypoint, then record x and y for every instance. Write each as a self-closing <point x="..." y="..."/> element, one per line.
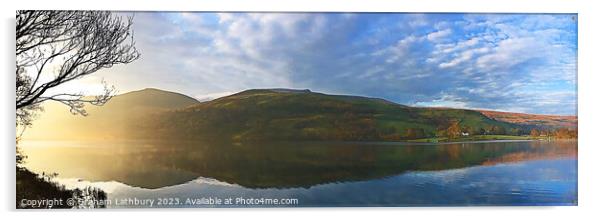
<point x="55" y="47"/>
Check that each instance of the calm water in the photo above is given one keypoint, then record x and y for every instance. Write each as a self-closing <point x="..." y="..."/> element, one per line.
<point x="181" y="174"/>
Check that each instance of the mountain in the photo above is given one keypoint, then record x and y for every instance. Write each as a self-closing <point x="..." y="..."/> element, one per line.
<point x="553" y="121"/>
<point x="263" y="114"/>
<point x="114" y="119"/>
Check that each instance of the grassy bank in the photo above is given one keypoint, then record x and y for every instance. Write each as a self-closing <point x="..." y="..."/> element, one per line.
<point x="40" y="192"/>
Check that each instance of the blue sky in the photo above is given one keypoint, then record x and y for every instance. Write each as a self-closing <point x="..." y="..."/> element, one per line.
<point x="509" y="62"/>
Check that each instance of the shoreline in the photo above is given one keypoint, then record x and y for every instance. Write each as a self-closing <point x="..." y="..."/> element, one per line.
<point x="424" y="141"/>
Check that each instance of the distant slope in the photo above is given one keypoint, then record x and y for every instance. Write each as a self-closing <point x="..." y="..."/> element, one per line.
<point x="553" y="121"/>
<point x="277" y="114"/>
<point x="151" y="99"/>
<point x="114" y="119"/>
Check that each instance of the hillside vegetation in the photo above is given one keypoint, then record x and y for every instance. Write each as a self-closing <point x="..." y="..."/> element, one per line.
<point x="550" y="121"/>
<point x="277" y="114"/>
<point x="266" y="114"/>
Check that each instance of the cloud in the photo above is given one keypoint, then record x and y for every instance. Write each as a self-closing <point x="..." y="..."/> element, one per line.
<point x="490" y="61"/>
<point x="437" y="35"/>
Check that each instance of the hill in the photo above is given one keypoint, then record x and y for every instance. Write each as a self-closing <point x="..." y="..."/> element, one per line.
<point x="114" y="119"/>
<point x="277" y="114"/>
<point x="551" y="121"/>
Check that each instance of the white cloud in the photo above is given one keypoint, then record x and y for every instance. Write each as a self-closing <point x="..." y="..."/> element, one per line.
<point x="463" y="57"/>
<point x="438" y="35"/>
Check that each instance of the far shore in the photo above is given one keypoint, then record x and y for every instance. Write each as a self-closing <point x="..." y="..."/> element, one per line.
<point x="484" y="138"/>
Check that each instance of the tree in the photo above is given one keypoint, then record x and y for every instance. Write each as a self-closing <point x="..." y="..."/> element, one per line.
<point x="410" y="133"/>
<point x="534" y="132"/>
<point x="482" y="131"/>
<point x="514" y="131"/>
<point x="565" y="133"/>
<point x="454" y="130"/>
<point x="56" y="47"/>
<point x="414" y="133"/>
<point x="499" y="130"/>
<point x="441" y="131"/>
<point x="472" y="130"/>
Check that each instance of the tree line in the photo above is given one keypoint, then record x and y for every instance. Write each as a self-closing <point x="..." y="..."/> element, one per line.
<point x="558" y="133"/>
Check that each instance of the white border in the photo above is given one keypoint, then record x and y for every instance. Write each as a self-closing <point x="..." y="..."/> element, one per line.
<point x="589" y="106"/>
<point x="315" y="5"/>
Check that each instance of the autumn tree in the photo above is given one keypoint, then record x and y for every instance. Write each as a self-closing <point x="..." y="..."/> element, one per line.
<point x="534" y="132"/>
<point x="565" y="133"/>
<point x="56" y="47"/>
<point x="454" y="130"/>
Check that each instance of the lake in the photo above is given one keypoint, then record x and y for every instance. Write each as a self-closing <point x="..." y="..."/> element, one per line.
<point x="309" y="174"/>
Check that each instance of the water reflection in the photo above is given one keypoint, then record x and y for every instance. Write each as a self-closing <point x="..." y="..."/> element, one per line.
<point x="156" y="164"/>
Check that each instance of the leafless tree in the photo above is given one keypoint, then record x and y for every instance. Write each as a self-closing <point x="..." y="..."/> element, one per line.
<point x="56" y="47"/>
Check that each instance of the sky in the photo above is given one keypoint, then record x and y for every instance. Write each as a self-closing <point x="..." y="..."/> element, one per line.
<point x="507" y="62"/>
